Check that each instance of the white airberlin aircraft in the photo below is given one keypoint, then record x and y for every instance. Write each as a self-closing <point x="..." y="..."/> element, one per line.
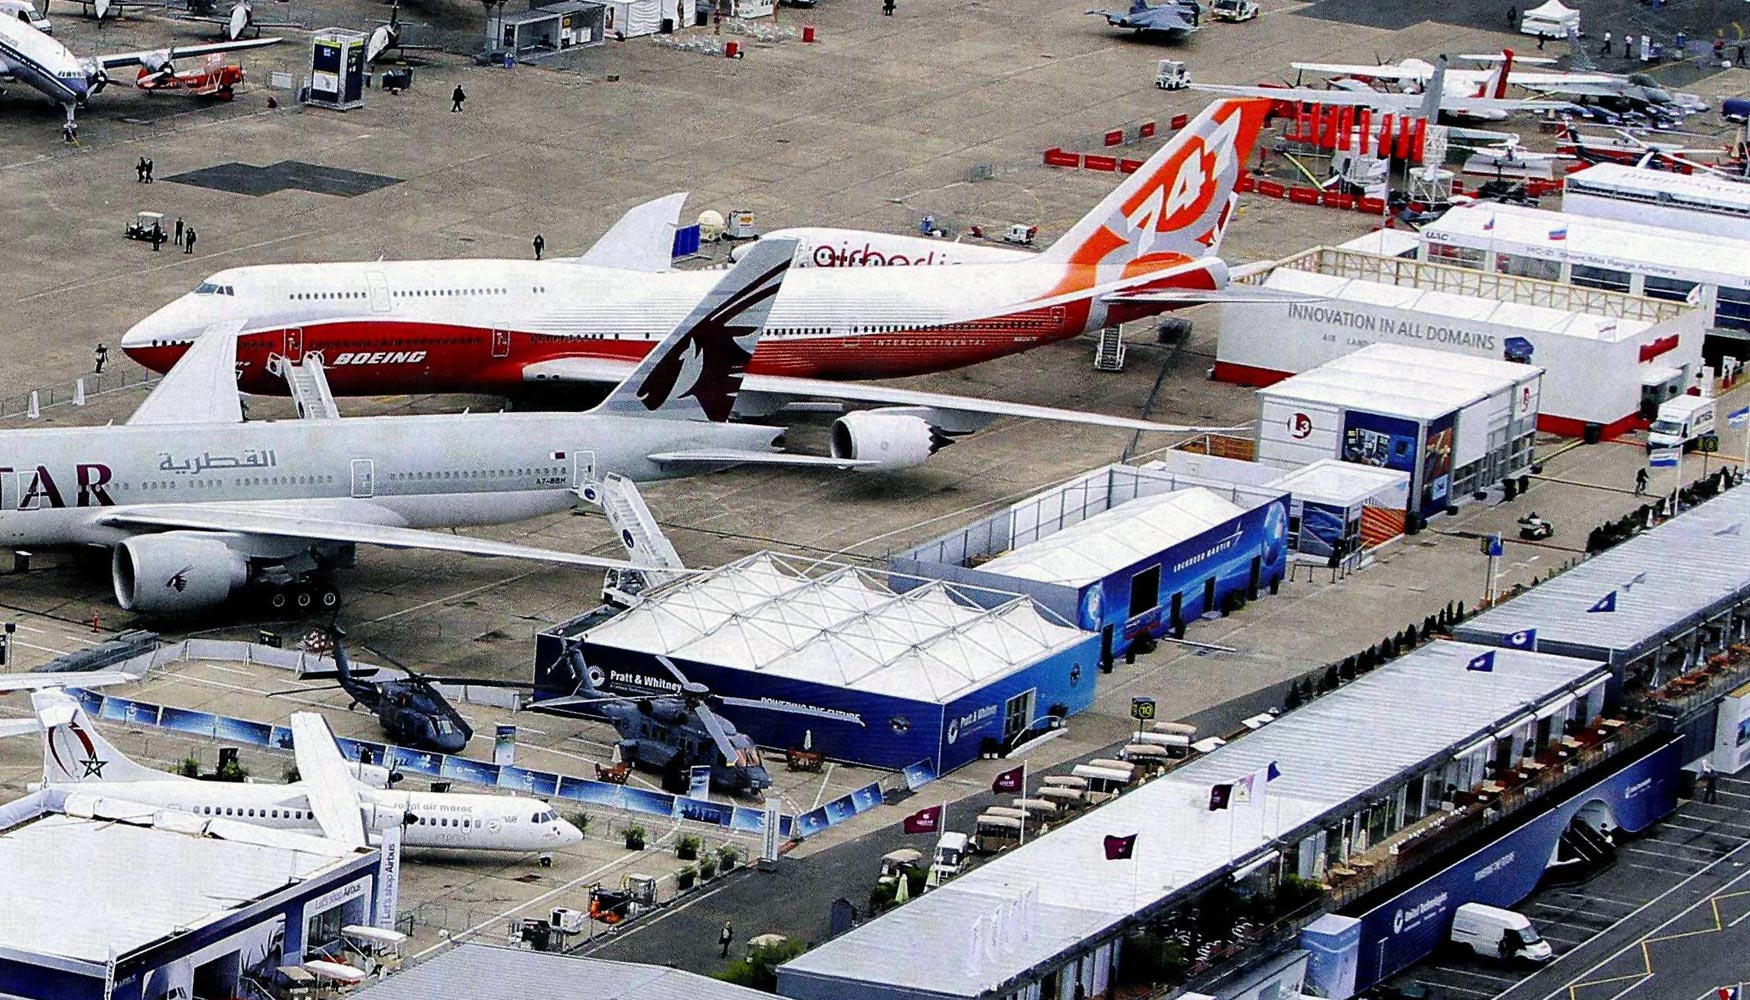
<point x="329" y="799"/>
<point x="503" y="326"/>
<point x="198" y="504"/>
<point x="50" y="68"/>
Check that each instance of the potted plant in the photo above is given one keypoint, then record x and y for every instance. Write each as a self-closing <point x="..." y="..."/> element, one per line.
<point x="707" y="869"/>
<point x="685" y="878"/>
<point x="580" y="819"/>
<point x="727" y="858"/>
<point x="189" y="768"/>
<point x="688" y="848"/>
<point x="634" y="837"/>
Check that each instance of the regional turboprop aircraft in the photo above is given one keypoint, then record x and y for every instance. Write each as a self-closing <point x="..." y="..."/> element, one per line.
<point x="50" y="68"/>
<point x="510" y="326"/>
<point x="329" y="800"/>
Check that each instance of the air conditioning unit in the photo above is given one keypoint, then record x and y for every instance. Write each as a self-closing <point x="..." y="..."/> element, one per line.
<point x="567" y="920"/>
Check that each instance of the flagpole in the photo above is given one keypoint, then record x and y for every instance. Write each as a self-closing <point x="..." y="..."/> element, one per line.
<point x="1024" y="818"/>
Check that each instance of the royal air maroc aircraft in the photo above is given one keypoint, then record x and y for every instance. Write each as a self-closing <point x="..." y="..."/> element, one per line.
<point x="198" y="504"/>
<point x="329" y="799"/>
<point x="507" y="326"/>
<point x="50" y="68"/>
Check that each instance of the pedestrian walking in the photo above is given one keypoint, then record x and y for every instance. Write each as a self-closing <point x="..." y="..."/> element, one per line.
<point x="140" y="171"/>
<point x="1640" y="482"/>
<point x="1628" y="45"/>
<point x="188" y="241"/>
<point x="157" y="237"/>
<point x="540" y="245"/>
<point x="1541" y="37"/>
<point x="1740" y="59"/>
<point x="724" y="937"/>
<point x="1606" y="49"/>
<point x="1719" y="50"/>
<point x="887" y="7"/>
<point x="1512" y="18"/>
<point x="1709" y="782"/>
<point x="456" y="98"/>
<point x="179" y="230"/>
<point x="148" y="171"/>
<point x="101" y="357"/>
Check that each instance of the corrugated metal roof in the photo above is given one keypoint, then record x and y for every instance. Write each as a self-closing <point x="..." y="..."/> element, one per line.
<point x="1662" y="578"/>
<point x="838" y="625"/>
<point x="1664" y="185"/>
<point x="1334" y="481"/>
<point x="1409" y="381"/>
<point x="80" y="888"/>
<point x="1658" y="251"/>
<point x="1113" y="539"/>
<point x="1539" y="319"/>
<point x="482" y="972"/>
<point x="1057" y="891"/>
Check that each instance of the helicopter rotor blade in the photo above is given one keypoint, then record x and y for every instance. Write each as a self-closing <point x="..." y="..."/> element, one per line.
<point x="498" y="682"/>
<point x="674" y="670"/>
<point x="568" y="702"/>
<point x="719" y="735"/>
<point x="773" y="706"/>
<point x="304" y="690"/>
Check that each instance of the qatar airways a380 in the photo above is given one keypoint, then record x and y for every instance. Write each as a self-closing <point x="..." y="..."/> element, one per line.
<point x="504" y="326"/>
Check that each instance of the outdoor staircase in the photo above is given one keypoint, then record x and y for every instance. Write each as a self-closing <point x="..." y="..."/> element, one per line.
<point x="1109" y="352"/>
<point x="645" y="543"/>
<point x="309" y="384"/>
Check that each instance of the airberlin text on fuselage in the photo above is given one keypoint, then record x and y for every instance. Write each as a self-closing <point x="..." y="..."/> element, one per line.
<point x="868" y="256"/>
<point x="40" y="489"/>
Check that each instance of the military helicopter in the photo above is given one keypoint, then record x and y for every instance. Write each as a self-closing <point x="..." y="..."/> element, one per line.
<point x="670" y="733"/>
<point x="411" y="711"/>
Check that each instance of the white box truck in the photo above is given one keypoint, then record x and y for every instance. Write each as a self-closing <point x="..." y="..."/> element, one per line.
<point x="1492" y="932"/>
<point x="1680" y="421"/>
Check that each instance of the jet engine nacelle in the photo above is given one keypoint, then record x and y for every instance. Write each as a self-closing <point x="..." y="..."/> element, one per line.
<point x="177" y="571"/>
<point x="892" y="440"/>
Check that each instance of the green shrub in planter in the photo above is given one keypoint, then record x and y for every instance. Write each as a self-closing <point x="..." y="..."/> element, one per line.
<point x="686" y="877"/>
<point x="727" y="858"/>
<point x="708" y="869"/>
<point x="634" y="837"/>
<point x="688" y="848"/>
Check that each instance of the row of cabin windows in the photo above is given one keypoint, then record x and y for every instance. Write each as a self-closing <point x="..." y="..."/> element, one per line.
<point x="409" y="293"/>
<point x="553" y="470"/>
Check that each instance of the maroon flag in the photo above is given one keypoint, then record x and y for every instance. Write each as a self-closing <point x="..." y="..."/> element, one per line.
<point x="1120" y="848"/>
<point x="925" y="821"/>
<point x="1012" y="780"/>
<point x="1219" y="796"/>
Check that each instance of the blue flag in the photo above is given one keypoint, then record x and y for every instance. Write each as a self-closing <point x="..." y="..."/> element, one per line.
<point x="1739" y="417"/>
<point x="1523" y="639"/>
<point x="1273" y="772"/>
<point x="1605" y="603"/>
<point x="1483" y="663"/>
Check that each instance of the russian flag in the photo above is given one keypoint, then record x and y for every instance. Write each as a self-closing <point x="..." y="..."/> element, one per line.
<point x="1559" y="234"/>
<point x="1489" y="224"/>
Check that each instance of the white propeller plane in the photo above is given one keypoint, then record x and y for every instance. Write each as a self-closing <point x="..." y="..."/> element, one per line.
<point x="50" y="68"/>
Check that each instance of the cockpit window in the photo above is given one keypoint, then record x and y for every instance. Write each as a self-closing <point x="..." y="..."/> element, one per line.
<point x="209" y="288"/>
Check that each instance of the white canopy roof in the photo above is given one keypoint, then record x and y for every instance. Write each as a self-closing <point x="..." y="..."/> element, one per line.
<point x="840" y="625"/>
<point x="1116" y="538"/>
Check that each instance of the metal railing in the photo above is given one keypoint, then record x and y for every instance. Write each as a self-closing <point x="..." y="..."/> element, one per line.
<point x="120" y="376"/>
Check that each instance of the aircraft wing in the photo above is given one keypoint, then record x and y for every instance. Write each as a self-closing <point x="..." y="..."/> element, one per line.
<point x="1578" y="84"/>
<point x="71" y="679"/>
<point x="202" y="387"/>
<point x="787" y="389"/>
<point x="327" y="779"/>
<point x="1384" y="72"/>
<point x="154" y="58"/>
<point x="19" y="727"/>
<point x="1378" y="99"/>
<point x="282" y="519"/>
<point x="738" y="456"/>
<point x="643" y="239"/>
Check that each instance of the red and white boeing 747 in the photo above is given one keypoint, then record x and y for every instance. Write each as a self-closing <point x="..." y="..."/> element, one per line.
<point x="501" y="326"/>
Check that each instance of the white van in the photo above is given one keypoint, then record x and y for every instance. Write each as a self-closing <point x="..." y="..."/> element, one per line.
<point x="25" y="10"/>
<point x="1680" y="421"/>
<point x="952" y="852"/>
<point x="1496" y="933"/>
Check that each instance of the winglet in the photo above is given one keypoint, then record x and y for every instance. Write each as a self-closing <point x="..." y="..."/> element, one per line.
<point x="696" y="372"/>
<point x="202" y="387"/>
<point x="643" y="239"/>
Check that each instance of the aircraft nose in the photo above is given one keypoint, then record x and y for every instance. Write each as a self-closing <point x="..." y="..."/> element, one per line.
<point x="567" y="833"/>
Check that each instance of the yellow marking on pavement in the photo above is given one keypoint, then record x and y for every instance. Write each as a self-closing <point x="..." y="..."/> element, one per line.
<point x="1647" y="943"/>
